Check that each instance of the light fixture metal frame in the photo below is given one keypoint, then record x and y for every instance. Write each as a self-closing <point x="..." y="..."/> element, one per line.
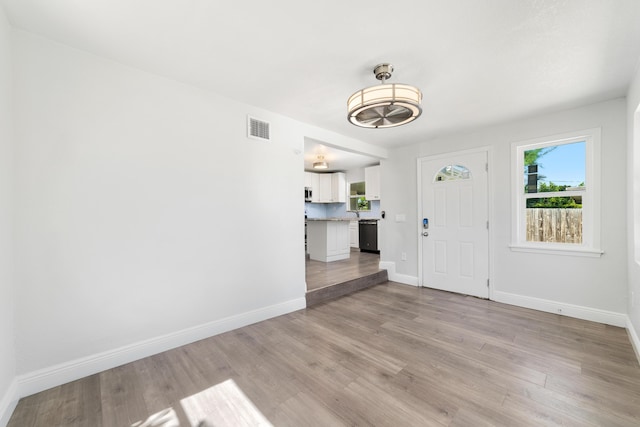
<point x="389" y="105"/>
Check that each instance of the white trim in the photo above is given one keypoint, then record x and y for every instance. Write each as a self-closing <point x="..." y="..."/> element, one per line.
<point x="52" y="376"/>
<point x="489" y="157"/>
<point x="570" y="310"/>
<point x="633" y="337"/>
<point x="490" y="217"/>
<point x="592" y="194"/>
<point x="8" y="403"/>
<point x="396" y="277"/>
<point x="555" y="250"/>
<point x="454" y="153"/>
<point x="331" y="258"/>
<point x="418" y="220"/>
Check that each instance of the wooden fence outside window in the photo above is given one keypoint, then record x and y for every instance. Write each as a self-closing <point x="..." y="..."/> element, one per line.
<point x="554" y="225"/>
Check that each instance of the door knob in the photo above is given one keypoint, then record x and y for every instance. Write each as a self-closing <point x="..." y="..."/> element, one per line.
<point x="425" y="233"/>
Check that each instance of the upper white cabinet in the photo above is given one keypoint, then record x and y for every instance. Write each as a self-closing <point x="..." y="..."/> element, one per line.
<point x="312" y="180"/>
<point x="372" y="183"/>
<point x="327" y="187"/>
<point x="308" y="179"/>
<point x="338" y="187"/>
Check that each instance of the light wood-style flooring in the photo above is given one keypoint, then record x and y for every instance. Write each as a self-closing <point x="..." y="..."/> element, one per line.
<point x="320" y="274"/>
<point x="390" y="355"/>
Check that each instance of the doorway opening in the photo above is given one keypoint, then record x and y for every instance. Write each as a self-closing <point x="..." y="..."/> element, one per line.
<point x="336" y="202"/>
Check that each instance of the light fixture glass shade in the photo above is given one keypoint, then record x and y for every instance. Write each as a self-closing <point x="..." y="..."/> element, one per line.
<point x="384" y="105"/>
<point x="320" y="164"/>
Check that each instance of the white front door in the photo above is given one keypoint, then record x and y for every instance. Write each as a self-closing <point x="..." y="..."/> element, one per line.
<point x="454" y="206"/>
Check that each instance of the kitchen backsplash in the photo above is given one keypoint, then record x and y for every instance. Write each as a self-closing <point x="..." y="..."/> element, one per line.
<point x="339" y="210"/>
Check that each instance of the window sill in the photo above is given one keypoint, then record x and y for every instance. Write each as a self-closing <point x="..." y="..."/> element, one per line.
<point x="590" y="253"/>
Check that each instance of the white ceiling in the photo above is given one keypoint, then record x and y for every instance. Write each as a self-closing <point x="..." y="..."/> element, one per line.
<point x="337" y="159"/>
<point x="477" y="62"/>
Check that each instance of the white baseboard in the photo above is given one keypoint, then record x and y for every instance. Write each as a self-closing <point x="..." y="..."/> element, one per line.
<point x="8" y="403"/>
<point x="577" y="311"/>
<point x="633" y="337"/>
<point x="34" y="382"/>
<point x="396" y="277"/>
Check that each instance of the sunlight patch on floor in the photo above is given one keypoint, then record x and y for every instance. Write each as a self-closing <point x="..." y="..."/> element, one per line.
<point x="164" y="418"/>
<point x="222" y="405"/>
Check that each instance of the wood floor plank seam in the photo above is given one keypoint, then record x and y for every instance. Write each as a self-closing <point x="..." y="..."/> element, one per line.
<point x="388" y="355"/>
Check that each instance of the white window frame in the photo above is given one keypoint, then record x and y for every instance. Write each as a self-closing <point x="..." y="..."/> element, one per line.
<point x="590" y="245"/>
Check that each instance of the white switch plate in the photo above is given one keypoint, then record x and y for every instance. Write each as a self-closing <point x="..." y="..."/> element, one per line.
<point x="403" y="256"/>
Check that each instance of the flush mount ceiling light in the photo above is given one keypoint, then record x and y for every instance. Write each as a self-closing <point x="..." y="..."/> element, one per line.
<point x="384" y="105"/>
<point x="320" y="164"/>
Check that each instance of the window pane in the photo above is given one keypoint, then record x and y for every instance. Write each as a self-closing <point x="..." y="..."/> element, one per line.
<point x="357" y="188"/>
<point x="452" y="172"/>
<point x="571" y="202"/>
<point x="556" y="168"/>
<point x="554" y="225"/>
<point x="358" y="203"/>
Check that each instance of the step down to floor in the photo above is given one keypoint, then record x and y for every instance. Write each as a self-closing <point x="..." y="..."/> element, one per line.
<point x="327" y="293"/>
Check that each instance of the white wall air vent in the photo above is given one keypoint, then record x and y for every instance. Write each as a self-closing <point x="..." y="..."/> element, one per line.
<point x="258" y="129"/>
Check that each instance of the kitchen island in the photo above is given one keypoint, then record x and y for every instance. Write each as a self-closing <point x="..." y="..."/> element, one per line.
<point x="328" y="239"/>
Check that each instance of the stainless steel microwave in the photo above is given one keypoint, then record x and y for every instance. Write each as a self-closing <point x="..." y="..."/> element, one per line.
<point x="307" y="194"/>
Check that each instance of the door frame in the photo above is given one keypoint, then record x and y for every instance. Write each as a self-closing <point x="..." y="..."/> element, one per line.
<point x="489" y="152"/>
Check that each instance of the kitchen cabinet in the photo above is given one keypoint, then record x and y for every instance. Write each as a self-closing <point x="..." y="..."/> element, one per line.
<point x="308" y="179"/>
<point x="353" y="234"/>
<point x="328" y="240"/>
<point x="328" y="187"/>
<point x="312" y="180"/>
<point x="325" y="195"/>
<point x="372" y="183"/>
<point x="339" y="187"/>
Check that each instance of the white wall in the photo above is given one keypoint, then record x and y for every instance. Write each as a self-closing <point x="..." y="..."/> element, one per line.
<point x="633" y="208"/>
<point x="137" y="212"/>
<point x="143" y="210"/>
<point x="7" y="346"/>
<point x="140" y="204"/>
<point x="594" y="284"/>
